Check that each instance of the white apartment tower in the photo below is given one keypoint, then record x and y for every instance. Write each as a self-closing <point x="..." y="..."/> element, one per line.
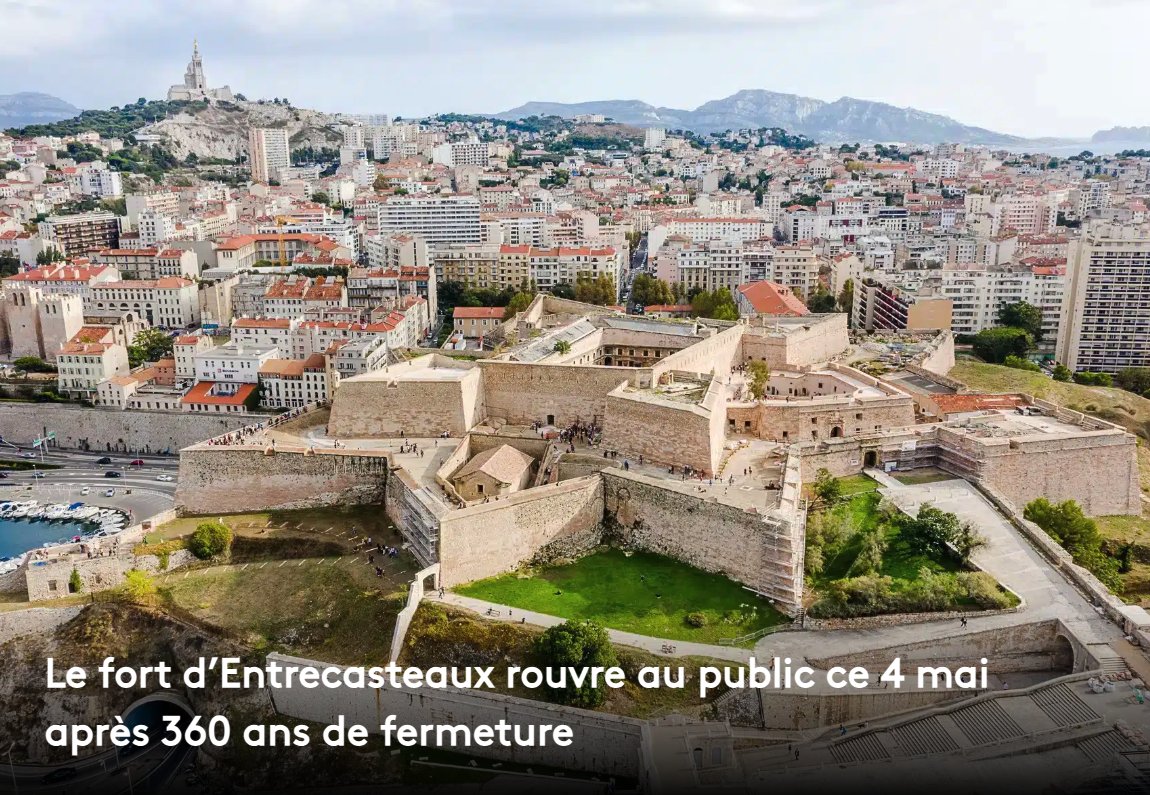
<point x="268" y="152"/>
<point x="1106" y="313"/>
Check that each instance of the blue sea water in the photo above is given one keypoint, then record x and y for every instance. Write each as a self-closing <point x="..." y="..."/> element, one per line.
<point x="18" y="536"/>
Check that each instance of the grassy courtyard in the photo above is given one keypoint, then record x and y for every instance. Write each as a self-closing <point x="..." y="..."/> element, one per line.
<point x="635" y="592"/>
<point x="901" y="578"/>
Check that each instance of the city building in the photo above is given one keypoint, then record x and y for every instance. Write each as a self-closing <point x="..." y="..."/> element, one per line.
<point x="268" y="152"/>
<point x="81" y="234"/>
<point x="1106" y="312"/>
<point x="195" y="86"/>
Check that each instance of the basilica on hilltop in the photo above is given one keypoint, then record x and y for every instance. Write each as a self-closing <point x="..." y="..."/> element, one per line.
<point x="195" y="87"/>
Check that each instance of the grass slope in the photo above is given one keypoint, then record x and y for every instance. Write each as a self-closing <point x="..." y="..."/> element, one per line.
<point x="641" y="593"/>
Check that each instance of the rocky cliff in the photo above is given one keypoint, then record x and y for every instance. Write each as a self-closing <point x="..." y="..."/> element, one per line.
<point x="221" y="130"/>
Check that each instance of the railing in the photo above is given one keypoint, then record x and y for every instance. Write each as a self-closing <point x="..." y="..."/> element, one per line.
<point x="793" y="626"/>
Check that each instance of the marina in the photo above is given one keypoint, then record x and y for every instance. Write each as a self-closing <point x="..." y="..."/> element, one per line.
<point x="26" y="525"/>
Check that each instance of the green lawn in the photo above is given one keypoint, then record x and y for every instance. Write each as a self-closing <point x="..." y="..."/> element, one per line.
<point x="857" y="484"/>
<point x="921" y="476"/>
<point x="641" y="593"/>
<point x="1124" y="528"/>
<point x="899" y="561"/>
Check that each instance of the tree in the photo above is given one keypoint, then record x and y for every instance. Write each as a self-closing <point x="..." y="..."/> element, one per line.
<point x="149" y="345"/>
<point x="49" y="255"/>
<point x="760" y="375"/>
<point x="1022" y="315"/>
<point x="1061" y="373"/>
<point x="577" y="645"/>
<point x="33" y="364"/>
<point x="321" y="197"/>
<point x="646" y="290"/>
<point x="1021" y="363"/>
<point x="1133" y="379"/>
<point x="821" y="300"/>
<point x="9" y="264"/>
<point x="75" y="581"/>
<point x="872" y="547"/>
<point x="209" y="540"/>
<point x="847" y="296"/>
<point x="995" y="344"/>
<point x="138" y="585"/>
<point x="931" y="532"/>
<point x="518" y="303"/>
<point x="562" y="346"/>
<point x="1094" y="379"/>
<point x="827" y="486"/>
<point x="599" y="290"/>
<point x="717" y="305"/>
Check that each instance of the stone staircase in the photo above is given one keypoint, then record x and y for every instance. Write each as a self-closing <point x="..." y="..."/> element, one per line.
<point x="986" y="722"/>
<point x="1063" y="706"/>
<point x="1104" y="746"/>
<point x="925" y="736"/>
<point x="863" y="748"/>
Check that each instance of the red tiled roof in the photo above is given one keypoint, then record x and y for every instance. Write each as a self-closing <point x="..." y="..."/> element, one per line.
<point x="199" y="395"/>
<point x="768" y="298"/>
<point x="479" y="312"/>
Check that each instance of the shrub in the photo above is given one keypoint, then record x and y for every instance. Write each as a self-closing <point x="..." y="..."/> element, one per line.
<point x="138" y="585"/>
<point x="827" y="486"/>
<point x="871" y="551"/>
<point x="577" y="644"/>
<point x="697" y="620"/>
<point x="981" y="589"/>
<point x="75" y="583"/>
<point x="931" y="591"/>
<point x="1021" y="363"/>
<point x="209" y="540"/>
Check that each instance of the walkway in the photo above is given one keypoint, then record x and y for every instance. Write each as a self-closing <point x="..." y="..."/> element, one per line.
<point x="514" y="615"/>
<point x="1007" y="556"/>
<point x="884" y="480"/>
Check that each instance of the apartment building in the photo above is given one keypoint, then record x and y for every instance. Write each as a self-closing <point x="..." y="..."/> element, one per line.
<point x="82" y="234"/>
<point x="234" y="363"/>
<point x="150" y="263"/>
<point x="879" y="306"/>
<point x="291" y="383"/>
<point x="438" y="219"/>
<point x="296" y="296"/>
<point x="184" y="352"/>
<point x="168" y="302"/>
<point x="1106" y="315"/>
<point x="796" y="268"/>
<point x="268" y="152"/>
<point x="81" y="366"/>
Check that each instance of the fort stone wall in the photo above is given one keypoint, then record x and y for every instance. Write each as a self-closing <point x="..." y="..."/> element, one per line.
<point x="639" y="423"/>
<point x="113" y="430"/>
<point x="761" y="551"/>
<point x="498" y="537"/>
<point x="215" y="480"/>
<point x="524" y="393"/>
<point x="378" y="407"/>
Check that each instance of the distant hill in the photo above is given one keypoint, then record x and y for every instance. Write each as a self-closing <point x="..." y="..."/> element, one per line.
<point x="30" y="107"/>
<point x="844" y="120"/>
<point x="1124" y="134"/>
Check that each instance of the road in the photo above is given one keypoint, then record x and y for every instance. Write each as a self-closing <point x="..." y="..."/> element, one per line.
<point x="638" y="265"/>
<point x="148" y="495"/>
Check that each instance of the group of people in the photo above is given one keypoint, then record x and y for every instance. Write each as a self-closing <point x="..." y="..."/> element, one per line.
<point x="411" y="447"/>
<point x="242" y="436"/>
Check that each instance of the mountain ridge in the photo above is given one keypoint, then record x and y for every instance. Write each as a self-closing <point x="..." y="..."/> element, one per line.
<point x="846" y="119"/>
<point x="33" y="107"/>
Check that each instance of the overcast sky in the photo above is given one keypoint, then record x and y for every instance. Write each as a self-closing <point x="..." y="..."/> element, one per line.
<point x="1028" y="67"/>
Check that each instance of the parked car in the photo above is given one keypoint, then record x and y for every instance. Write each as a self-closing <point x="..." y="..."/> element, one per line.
<point x="104" y="460"/>
<point x="111" y="473"/>
<point x="110" y="493"/>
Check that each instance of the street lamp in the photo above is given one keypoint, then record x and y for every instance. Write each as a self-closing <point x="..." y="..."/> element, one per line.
<point x="11" y="767"/>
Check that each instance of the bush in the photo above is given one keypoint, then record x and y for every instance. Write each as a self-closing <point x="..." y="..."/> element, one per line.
<point x="697" y="620"/>
<point x="577" y="644"/>
<point x="995" y="344"/>
<point x="1061" y="373"/>
<point x="75" y="583"/>
<point x="1094" y="379"/>
<point x="1021" y="363"/>
<point x="138" y="585"/>
<point x="981" y="589"/>
<point x="827" y="487"/>
<point x="209" y="540"/>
